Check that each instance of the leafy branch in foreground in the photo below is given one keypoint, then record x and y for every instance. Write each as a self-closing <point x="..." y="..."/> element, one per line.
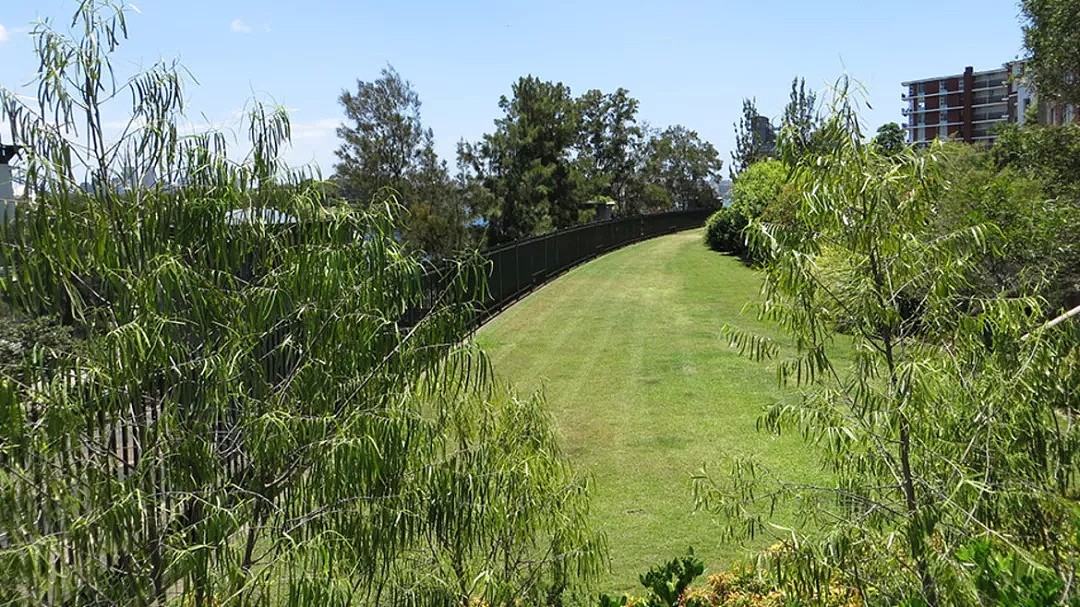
<point x="246" y="417"/>
<point x="949" y="430"/>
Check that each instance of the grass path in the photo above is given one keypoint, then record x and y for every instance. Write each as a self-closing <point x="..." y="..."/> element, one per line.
<point x="644" y="391"/>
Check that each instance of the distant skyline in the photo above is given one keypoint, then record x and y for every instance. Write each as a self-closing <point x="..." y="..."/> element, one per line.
<point x="688" y="62"/>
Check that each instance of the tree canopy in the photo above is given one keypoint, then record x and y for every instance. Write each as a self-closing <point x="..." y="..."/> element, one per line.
<point x="1052" y="40"/>
<point x="386" y="151"/>
<point x="685" y="165"/>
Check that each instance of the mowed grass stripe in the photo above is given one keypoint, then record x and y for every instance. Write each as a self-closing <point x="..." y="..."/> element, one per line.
<point x="644" y="390"/>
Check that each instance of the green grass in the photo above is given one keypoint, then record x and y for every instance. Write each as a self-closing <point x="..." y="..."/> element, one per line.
<point x="644" y="390"/>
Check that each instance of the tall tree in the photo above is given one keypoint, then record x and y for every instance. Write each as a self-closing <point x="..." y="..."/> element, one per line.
<point x="608" y="142"/>
<point x="1052" y="40"/>
<point x="799" y="122"/>
<point x="386" y="150"/>
<point x="527" y="164"/>
<point x="385" y="143"/>
<point x="755" y="138"/>
<point x="685" y="165"/>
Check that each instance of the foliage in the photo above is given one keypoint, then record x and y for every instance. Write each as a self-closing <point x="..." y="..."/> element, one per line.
<point x="667" y="583"/>
<point x="643" y="196"/>
<point x="552" y="153"/>
<point x="755" y="139"/>
<point x="386" y="143"/>
<point x="249" y="418"/>
<point x="44" y="339"/>
<point x="723" y="231"/>
<point x="799" y="122"/>
<point x="951" y="426"/>
<point x="385" y="151"/>
<point x="890" y="138"/>
<point x="526" y="163"/>
<point x="686" y="166"/>
<point x="608" y="144"/>
<point x="1032" y="250"/>
<point x="1004" y="579"/>
<point x="740" y="586"/>
<point x="1052" y="40"/>
<point x="757" y="187"/>
<point x="1049" y="156"/>
<point x="1048" y="153"/>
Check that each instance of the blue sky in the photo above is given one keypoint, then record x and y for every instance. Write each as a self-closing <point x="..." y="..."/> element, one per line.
<point x="688" y="62"/>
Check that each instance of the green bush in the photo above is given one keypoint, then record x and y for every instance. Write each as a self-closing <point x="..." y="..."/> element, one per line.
<point x="42" y="340"/>
<point x="754" y="190"/>
<point x="745" y="585"/>
<point x="723" y="231"/>
<point x="757" y="187"/>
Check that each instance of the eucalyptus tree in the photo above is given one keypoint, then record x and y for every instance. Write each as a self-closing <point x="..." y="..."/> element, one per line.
<point x="609" y="143"/>
<point x="254" y="411"/>
<point x="945" y="417"/>
<point x="685" y="165"/>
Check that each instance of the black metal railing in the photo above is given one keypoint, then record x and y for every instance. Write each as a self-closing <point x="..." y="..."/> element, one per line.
<point x="515" y="269"/>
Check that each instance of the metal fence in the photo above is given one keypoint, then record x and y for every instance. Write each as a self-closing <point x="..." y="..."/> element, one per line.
<point x="517" y="268"/>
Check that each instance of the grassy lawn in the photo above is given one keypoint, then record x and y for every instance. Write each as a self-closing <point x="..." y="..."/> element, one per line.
<point x="645" y="391"/>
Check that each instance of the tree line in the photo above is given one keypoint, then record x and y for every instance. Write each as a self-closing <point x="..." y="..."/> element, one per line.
<point x="550" y="159"/>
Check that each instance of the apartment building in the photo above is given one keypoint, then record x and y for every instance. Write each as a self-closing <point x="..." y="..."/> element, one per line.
<point x="965" y="106"/>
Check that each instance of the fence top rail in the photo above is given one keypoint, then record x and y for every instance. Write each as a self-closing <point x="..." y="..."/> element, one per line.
<point x="523" y="241"/>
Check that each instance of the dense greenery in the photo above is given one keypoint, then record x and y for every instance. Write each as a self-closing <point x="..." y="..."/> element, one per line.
<point x="1052" y="39"/>
<point x="890" y="138"/>
<point x="386" y="152"/>
<point x="527" y="163"/>
<point x="724" y="231"/>
<point x="550" y="154"/>
<point x="246" y="418"/>
<point x="952" y="437"/>
<point x="1033" y="248"/>
<point x="672" y="585"/>
<point x="754" y="190"/>
<point x="685" y="166"/>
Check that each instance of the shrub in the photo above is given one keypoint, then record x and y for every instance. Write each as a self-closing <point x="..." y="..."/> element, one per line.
<point x="723" y="231"/>
<point x="754" y="190"/>
<point x="757" y="187"/>
<point x="668" y="585"/>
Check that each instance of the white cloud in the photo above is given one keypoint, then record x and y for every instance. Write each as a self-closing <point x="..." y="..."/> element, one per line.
<point x="315" y="129"/>
<point x="4" y="34"/>
<point x="240" y="27"/>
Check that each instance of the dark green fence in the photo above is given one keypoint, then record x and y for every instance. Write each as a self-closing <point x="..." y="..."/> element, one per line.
<point x="517" y="268"/>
